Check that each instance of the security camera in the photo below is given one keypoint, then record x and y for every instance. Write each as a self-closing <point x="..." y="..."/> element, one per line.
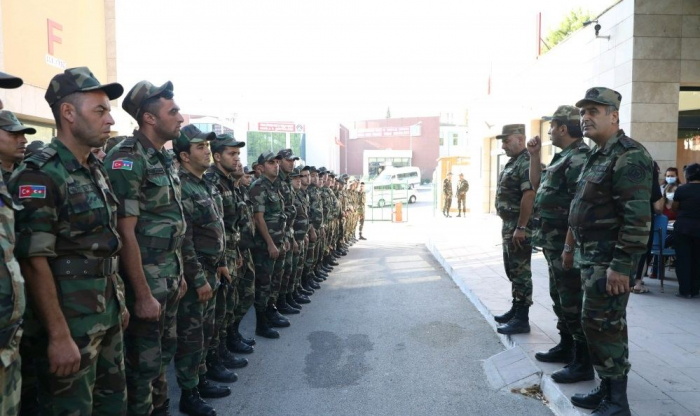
<point x="597" y="28"/>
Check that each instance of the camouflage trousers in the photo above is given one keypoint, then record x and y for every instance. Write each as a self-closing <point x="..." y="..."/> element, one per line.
<point x="446" y="203"/>
<point x="517" y="263"/>
<point x="362" y="221"/>
<point x="286" y="279"/>
<point x="194" y="330"/>
<point x="226" y="303"/>
<point x="604" y="321"/>
<point x="150" y="346"/>
<point x="298" y="261"/>
<point x="264" y="271"/>
<point x="567" y="295"/>
<point x="278" y="274"/>
<point x="10" y="387"/>
<point x="210" y="324"/>
<point x="99" y="386"/>
<point x="245" y="286"/>
<point x="461" y="203"/>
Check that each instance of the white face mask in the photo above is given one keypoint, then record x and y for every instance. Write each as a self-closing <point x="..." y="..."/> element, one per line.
<point x="671" y="180"/>
<point x="669" y="196"/>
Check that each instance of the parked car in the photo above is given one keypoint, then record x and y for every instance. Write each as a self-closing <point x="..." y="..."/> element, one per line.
<point x="385" y="194"/>
<point x="409" y="174"/>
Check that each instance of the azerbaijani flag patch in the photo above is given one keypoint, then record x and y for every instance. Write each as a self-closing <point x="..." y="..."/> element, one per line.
<point x="32" y="191"/>
<point x="122" y="164"/>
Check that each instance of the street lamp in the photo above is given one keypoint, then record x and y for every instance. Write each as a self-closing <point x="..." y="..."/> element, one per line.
<point x="410" y="138"/>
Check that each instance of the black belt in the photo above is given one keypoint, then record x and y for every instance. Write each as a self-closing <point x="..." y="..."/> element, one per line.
<point x="8" y="334"/>
<point x="160" y="243"/>
<point x="597" y="234"/>
<point x="85" y="267"/>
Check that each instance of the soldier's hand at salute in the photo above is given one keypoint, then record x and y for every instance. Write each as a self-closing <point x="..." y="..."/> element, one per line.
<point x="519" y="237"/>
<point x="223" y="271"/>
<point x="204" y="293"/>
<point x="567" y="260"/>
<point x="617" y="283"/>
<point x="534" y="145"/>
<point x="64" y="356"/>
<point x="273" y="251"/>
<point x="147" y="309"/>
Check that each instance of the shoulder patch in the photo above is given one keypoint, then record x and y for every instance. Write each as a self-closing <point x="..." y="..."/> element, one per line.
<point x="39" y="159"/>
<point x="635" y="174"/>
<point x="122" y="164"/>
<point x="32" y="191"/>
<point x="628" y="143"/>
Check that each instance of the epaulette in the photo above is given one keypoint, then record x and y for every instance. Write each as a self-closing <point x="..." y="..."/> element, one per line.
<point x="628" y="143"/>
<point x="39" y="159"/>
<point x="128" y="144"/>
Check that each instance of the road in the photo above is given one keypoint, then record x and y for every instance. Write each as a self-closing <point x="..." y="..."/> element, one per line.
<point x="388" y="334"/>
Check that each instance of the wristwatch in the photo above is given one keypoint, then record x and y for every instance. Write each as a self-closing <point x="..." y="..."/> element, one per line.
<point x="568" y="249"/>
<point x="520" y="227"/>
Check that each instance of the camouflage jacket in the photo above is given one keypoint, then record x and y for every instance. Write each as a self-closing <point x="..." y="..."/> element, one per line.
<point x="301" y="221"/>
<point x="148" y="188"/>
<point x="246" y="224"/>
<point x="232" y="214"/>
<point x="12" y="296"/>
<point x="462" y="187"/>
<point x="267" y="200"/>
<point x="204" y="243"/>
<point x="326" y="204"/>
<point x="557" y="189"/>
<point x="287" y="192"/>
<point x="315" y="207"/>
<point x="512" y="183"/>
<point x="446" y="187"/>
<point x="70" y="214"/>
<point x="610" y="214"/>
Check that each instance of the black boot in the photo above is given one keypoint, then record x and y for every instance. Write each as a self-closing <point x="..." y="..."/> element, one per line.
<point x="563" y="352"/>
<point x="305" y="288"/>
<point x="229" y="360"/>
<point x="210" y="391"/>
<point x="326" y="268"/>
<point x="580" y="369"/>
<point x="332" y="262"/>
<point x="284" y="308"/>
<point x="318" y="278"/>
<point x="262" y="326"/>
<point x="216" y="370"/>
<point x="313" y="285"/>
<point x="362" y="237"/>
<point x="234" y="341"/>
<point x="158" y="411"/>
<point x="275" y="319"/>
<point x="192" y="404"/>
<point x="520" y="324"/>
<point x="300" y="298"/>
<point x="615" y="402"/>
<point x="319" y="274"/>
<point x="502" y="319"/>
<point x="249" y="341"/>
<point x="292" y="302"/>
<point x="592" y="399"/>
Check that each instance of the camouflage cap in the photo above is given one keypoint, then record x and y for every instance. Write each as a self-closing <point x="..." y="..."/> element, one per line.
<point x="565" y="114"/>
<point x="191" y="134"/>
<point x="247" y="170"/>
<point x="296" y="172"/>
<point x="79" y="79"/>
<point x="33" y="147"/>
<point x="322" y="171"/>
<point x="266" y="157"/>
<point x="9" y="122"/>
<point x="509" y="129"/>
<point x="225" y="140"/>
<point x="8" y="81"/>
<point x="287" y="154"/>
<point x="141" y="92"/>
<point x="309" y="168"/>
<point x="601" y="95"/>
<point x="449" y="173"/>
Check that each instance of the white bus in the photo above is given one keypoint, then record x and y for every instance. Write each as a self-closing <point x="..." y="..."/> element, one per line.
<point x="410" y="175"/>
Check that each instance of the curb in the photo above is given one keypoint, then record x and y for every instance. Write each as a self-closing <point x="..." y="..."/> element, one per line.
<point x="559" y="402"/>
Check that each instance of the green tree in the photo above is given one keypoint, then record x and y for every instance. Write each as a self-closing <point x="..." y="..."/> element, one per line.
<point x="259" y="142"/>
<point x="571" y="23"/>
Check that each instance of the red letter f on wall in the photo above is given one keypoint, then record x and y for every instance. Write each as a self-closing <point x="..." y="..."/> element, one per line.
<point x="51" y="26"/>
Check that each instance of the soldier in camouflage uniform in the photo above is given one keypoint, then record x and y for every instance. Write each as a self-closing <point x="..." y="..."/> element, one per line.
<point x="67" y="245"/>
<point x="226" y="150"/>
<point x="245" y="289"/>
<point x="361" y="204"/>
<point x="317" y="224"/>
<point x="447" y="195"/>
<point x="287" y="159"/>
<point x="204" y="265"/>
<point x="555" y="187"/>
<point x="152" y="227"/>
<point x="461" y="194"/>
<point x="270" y="224"/>
<point x="514" y="199"/>
<point x="12" y="142"/>
<point x="609" y="218"/>
<point x="302" y="229"/>
<point x="12" y="296"/>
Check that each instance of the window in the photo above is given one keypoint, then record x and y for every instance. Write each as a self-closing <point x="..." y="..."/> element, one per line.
<point x="455" y="139"/>
<point x="442" y="140"/>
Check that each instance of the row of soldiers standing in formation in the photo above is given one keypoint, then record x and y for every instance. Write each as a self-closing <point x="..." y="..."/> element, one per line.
<point x="197" y="243"/>
<point x="590" y="212"/>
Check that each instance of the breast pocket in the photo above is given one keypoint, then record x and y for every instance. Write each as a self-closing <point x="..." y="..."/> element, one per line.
<point x="206" y="210"/>
<point x="596" y="187"/>
<point x="87" y="209"/>
<point x="156" y="191"/>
